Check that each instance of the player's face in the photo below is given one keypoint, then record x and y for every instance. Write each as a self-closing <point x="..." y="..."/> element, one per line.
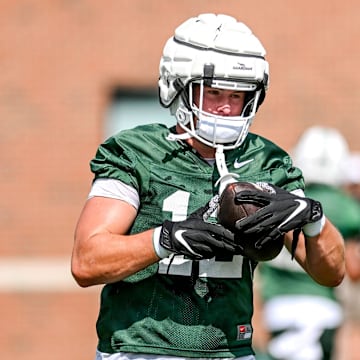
<point x="219" y="101"/>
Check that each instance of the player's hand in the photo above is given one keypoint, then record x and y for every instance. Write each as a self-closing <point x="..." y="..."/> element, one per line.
<point x="281" y="212"/>
<point x="196" y="238"/>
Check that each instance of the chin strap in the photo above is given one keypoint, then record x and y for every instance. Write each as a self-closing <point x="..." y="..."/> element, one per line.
<point x="225" y="177"/>
<point x="174" y="137"/>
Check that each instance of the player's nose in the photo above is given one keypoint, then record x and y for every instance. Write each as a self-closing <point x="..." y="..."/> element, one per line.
<point x="224" y="109"/>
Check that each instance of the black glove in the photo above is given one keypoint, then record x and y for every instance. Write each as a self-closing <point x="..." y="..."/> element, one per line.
<point x="281" y="212"/>
<point x="196" y="238"/>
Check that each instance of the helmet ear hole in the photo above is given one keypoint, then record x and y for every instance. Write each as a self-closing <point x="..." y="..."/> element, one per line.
<point x="181" y="117"/>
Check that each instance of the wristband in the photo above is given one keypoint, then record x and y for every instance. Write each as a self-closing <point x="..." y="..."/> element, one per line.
<point x="160" y="251"/>
<point x="313" y="229"/>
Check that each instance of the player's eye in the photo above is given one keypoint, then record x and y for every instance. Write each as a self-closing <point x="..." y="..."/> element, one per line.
<point x="213" y="92"/>
<point x="238" y="95"/>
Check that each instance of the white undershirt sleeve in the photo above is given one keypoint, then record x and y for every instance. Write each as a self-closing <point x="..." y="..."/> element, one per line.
<point x="115" y="189"/>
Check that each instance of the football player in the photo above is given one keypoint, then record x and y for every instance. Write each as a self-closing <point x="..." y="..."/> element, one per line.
<point x="310" y="331"/>
<point x="176" y="283"/>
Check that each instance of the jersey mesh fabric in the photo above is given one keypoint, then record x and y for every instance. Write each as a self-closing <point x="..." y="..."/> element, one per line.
<point x="181" y="307"/>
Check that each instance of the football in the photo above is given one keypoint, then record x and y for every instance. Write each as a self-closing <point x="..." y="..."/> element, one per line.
<point x="229" y="212"/>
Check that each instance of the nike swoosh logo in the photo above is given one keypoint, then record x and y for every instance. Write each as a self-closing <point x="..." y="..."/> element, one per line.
<point x="302" y="205"/>
<point x="238" y="165"/>
<point x="182" y="241"/>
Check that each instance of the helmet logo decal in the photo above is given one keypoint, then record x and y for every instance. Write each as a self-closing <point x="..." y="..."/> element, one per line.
<point x="241" y="66"/>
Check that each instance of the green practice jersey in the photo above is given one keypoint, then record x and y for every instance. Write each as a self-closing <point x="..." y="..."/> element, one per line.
<point x="282" y="276"/>
<point x="182" y="307"/>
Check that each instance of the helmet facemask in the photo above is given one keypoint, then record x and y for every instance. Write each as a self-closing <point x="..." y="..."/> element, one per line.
<point x="214" y="129"/>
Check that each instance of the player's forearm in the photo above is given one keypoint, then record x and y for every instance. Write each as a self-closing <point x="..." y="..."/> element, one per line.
<point x="107" y="258"/>
<point x="325" y="260"/>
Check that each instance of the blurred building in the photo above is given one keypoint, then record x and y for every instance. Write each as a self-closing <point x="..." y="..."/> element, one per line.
<point x="72" y="72"/>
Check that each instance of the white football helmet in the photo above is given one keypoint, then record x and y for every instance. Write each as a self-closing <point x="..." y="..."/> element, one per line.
<point x="322" y="154"/>
<point x="217" y="51"/>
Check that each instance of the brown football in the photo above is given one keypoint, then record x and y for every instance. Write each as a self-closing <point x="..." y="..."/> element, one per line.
<point x="229" y="212"/>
